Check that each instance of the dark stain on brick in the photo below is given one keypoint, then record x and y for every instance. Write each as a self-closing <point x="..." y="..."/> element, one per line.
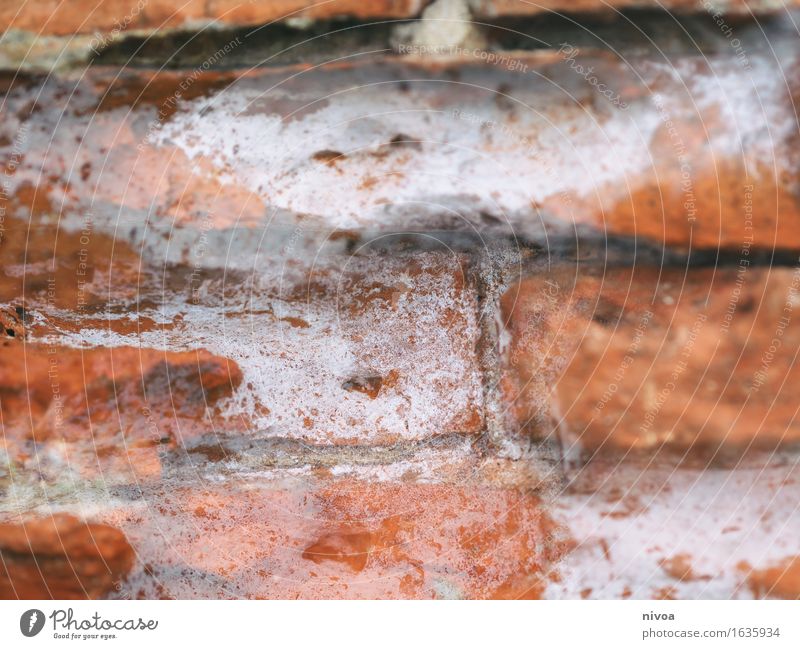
<point x="328" y="156"/>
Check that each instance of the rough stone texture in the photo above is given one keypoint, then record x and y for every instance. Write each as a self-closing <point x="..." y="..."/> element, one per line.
<point x="647" y="358"/>
<point x="61" y="557"/>
<point x="266" y="329"/>
<point x="539" y="154"/>
<point x="781" y="581"/>
<point x="343" y="539"/>
<point x="648" y="530"/>
<point x="349" y="351"/>
<point x="52" y="17"/>
<point x="493" y="8"/>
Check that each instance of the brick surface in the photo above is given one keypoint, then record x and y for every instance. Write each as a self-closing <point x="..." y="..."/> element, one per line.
<point x="617" y="530"/>
<point x="61" y="557"/>
<point x="345" y="539"/>
<point x="50" y="17"/>
<point x="646" y="530"/>
<point x="52" y="390"/>
<point x="647" y="358"/>
<point x="353" y="351"/>
<point x="547" y="159"/>
<point x="465" y="323"/>
<point x="492" y="8"/>
<point x="105" y="413"/>
<point x="781" y="581"/>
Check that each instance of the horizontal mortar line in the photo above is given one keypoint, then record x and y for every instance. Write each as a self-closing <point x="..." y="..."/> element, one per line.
<point x="287" y="452"/>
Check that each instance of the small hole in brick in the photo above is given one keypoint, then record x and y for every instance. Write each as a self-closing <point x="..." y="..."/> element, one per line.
<point x="401" y="139"/>
<point x="372" y="385"/>
<point x="606" y="313"/>
<point x="490" y="219"/>
<point x="212" y="452"/>
<point x="328" y="156"/>
<point x="369" y="385"/>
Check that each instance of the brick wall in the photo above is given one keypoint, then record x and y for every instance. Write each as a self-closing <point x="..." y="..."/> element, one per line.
<point x="469" y="316"/>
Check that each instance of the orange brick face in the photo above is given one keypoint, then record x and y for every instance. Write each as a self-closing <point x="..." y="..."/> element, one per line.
<point x="372" y="350"/>
<point x="61" y="557"/>
<point x="106" y="413"/>
<point x="104" y="16"/>
<point x="49" y="397"/>
<point x="486" y="323"/>
<point x="346" y="539"/>
<point x="781" y="581"/>
<point x="703" y="173"/>
<point x="649" y="358"/>
<point x="50" y="17"/>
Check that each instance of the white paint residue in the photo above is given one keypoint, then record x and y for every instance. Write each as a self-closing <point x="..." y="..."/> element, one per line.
<point x="297" y="355"/>
<point x="504" y="159"/>
<point x="456" y="157"/>
<point x="715" y="519"/>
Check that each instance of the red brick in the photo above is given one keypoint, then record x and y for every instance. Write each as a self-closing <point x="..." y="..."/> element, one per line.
<point x="105" y="412"/>
<point x="781" y="581"/>
<point x="343" y="539"/>
<point x="650" y="358"/>
<point x="61" y="557"/>
<point x="76" y="270"/>
<point x="493" y="8"/>
<point x="352" y="351"/>
<point x="740" y="140"/>
<point x="52" y="17"/>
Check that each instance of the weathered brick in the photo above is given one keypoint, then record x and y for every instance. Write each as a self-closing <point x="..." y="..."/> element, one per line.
<point x="58" y="391"/>
<point x="493" y="8"/>
<point x="342" y="539"/>
<point x="111" y="17"/>
<point x="61" y="557"/>
<point x="78" y="270"/>
<point x="781" y="581"/>
<point x="621" y="529"/>
<point x="715" y="152"/>
<point x="645" y="358"/>
<point x="215" y="339"/>
<point x="353" y="351"/>
<point x="75" y="414"/>
<point x="648" y="530"/>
